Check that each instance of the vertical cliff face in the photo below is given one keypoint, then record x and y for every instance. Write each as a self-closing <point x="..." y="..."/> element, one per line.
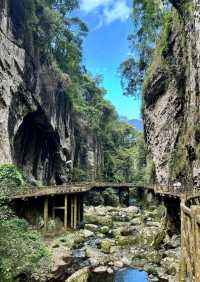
<point x="171" y="99"/>
<point x="38" y="129"/>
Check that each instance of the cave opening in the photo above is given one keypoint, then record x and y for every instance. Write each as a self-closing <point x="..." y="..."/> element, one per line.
<point x="36" y="149"/>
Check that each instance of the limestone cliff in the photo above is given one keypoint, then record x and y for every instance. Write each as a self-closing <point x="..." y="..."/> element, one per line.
<point x="171" y="98"/>
<point x="38" y="129"/>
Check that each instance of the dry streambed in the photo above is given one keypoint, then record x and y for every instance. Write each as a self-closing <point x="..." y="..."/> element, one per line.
<point x="114" y="238"/>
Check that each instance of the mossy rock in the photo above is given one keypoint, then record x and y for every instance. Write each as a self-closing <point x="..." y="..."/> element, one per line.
<point x="101" y="220"/>
<point x="151" y="269"/>
<point x="106" y="245"/>
<point x="104" y="229"/>
<point x="159" y="238"/>
<point x="136" y="221"/>
<point x="153" y="257"/>
<point x="138" y="263"/>
<point x="72" y="239"/>
<point x="81" y="275"/>
<point x="127" y="240"/>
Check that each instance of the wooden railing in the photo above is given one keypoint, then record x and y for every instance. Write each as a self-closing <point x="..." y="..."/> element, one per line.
<point x="190" y="239"/>
<point x="168" y="190"/>
<point x="28" y="192"/>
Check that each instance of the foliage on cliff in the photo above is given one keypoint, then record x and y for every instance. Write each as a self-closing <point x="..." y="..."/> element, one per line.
<point x="11" y="180"/>
<point x="148" y="19"/>
<point x="58" y="36"/>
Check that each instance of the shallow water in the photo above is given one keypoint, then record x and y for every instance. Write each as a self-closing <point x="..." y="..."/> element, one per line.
<point x="126" y="275"/>
<point x="131" y="275"/>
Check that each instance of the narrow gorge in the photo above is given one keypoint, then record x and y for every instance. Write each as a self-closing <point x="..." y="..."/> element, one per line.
<point x="88" y="191"/>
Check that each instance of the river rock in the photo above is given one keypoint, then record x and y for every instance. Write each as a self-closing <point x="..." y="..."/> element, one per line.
<point x="106" y="245"/>
<point x="100" y="269"/>
<point x="129" y="231"/>
<point x="100" y="220"/>
<point x="136" y="221"/>
<point x="127" y="240"/>
<point x="81" y="275"/>
<point x="87" y="233"/>
<point x="92" y="227"/>
<point x="132" y="210"/>
<point x="104" y="229"/>
<point x="118" y="264"/>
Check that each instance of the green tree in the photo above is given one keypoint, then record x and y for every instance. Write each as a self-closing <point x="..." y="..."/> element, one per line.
<point x="148" y="18"/>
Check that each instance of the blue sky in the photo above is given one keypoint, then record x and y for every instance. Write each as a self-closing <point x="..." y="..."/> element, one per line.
<point x="106" y="46"/>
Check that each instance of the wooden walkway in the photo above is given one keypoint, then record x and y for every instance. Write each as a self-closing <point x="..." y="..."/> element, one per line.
<point x="75" y="188"/>
<point x="83" y="187"/>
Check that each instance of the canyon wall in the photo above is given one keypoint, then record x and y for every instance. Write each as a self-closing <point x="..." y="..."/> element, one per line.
<point x="171" y="99"/>
<point x="39" y="131"/>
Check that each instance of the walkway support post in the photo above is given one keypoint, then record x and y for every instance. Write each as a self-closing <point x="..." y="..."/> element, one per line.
<point x="79" y="209"/>
<point x="72" y="211"/>
<point x="75" y="211"/>
<point x="65" y="211"/>
<point x="46" y="211"/>
<point x="53" y="208"/>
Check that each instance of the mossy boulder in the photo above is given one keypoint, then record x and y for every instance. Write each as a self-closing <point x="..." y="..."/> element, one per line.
<point x="158" y="239"/>
<point x="106" y="245"/>
<point x="153" y="256"/>
<point x="127" y="240"/>
<point x="104" y="229"/>
<point x="148" y="236"/>
<point x="100" y="220"/>
<point x="81" y="275"/>
<point x="136" y="221"/>
<point x="92" y="227"/>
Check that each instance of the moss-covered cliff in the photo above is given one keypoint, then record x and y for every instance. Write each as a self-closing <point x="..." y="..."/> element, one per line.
<point x="171" y="97"/>
<point x="38" y="128"/>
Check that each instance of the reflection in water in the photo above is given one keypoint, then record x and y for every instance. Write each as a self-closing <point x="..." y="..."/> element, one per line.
<point x="102" y="277"/>
<point x="126" y="275"/>
<point x="131" y="275"/>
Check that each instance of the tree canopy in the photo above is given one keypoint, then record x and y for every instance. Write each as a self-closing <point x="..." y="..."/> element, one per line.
<point x="148" y="18"/>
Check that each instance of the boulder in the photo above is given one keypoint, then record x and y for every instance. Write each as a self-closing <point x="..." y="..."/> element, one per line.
<point x="106" y="245"/>
<point x="104" y="229"/>
<point x="87" y="233"/>
<point x="81" y="275"/>
<point x="100" y="269"/>
<point x="92" y="227"/>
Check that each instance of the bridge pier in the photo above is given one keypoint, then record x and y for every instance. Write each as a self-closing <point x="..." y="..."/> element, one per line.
<point x="46" y="212"/>
<point x="72" y="210"/>
<point x="65" y="211"/>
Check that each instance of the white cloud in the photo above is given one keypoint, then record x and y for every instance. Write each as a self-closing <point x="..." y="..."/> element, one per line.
<point x="108" y="11"/>
<point x="91" y="5"/>
<point x="119" y="11"/>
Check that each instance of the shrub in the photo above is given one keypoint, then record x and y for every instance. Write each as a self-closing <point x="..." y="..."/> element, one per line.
<point x="22" y="253"/>
<point x="110" y="197"/>
<point x="95" y="198"/>
<point x="79" y="175"/>
<point x="9" y="175"/>
<point x="11" y="180"/>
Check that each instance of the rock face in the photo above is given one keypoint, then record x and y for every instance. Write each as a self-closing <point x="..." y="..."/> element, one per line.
<point x="171" y="99"/>
<point x="37" y="128"/>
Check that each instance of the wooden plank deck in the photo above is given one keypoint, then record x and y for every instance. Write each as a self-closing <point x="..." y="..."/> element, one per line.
<point x="84" y="187"/>
<point x="66" y="189"/>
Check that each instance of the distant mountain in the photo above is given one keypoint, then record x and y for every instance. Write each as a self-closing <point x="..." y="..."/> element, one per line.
<point x="137" y="123"/>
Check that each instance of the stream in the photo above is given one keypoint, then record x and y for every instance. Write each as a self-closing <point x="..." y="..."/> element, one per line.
<point x="125" y="275"/>
<point x="117" y="244"/>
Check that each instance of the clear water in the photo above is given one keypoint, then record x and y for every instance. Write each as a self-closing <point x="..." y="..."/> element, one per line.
<point x="126" y="275"/>
<point x="131" y="275"/>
